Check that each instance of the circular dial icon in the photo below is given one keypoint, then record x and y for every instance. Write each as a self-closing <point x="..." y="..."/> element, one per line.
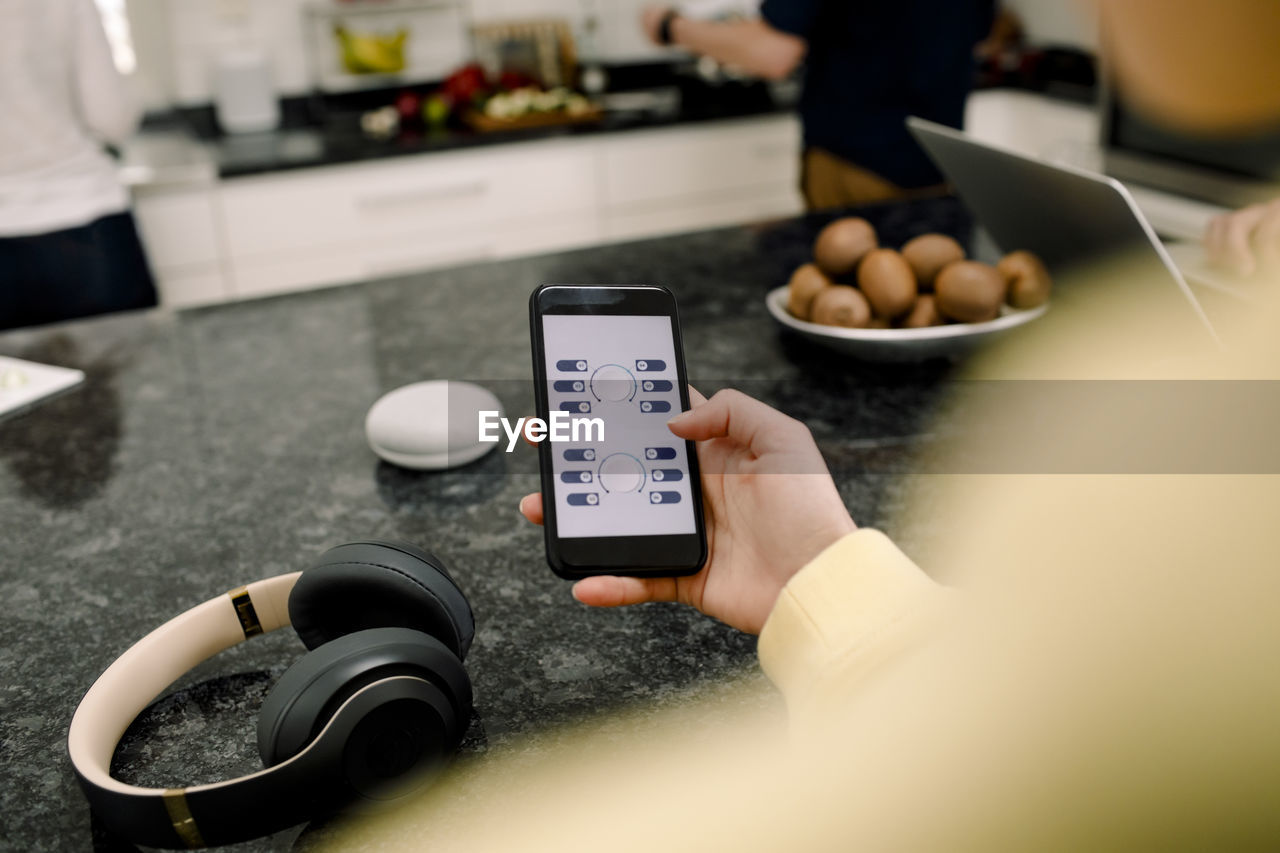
<point x="621" y="472"/>
<point x="613" y="383"/>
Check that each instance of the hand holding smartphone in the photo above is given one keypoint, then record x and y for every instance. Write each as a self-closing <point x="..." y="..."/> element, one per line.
<point x="621" y="494"/>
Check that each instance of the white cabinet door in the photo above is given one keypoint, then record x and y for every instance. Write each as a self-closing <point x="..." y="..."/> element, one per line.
<point x="382" y="258"/>
<point x="177" y="226"/>
<point x="180" y="231"/>
<point x="191" y="287"/>
<point x="679" y="218"/>
<point x="702" y="162"/>
<point x="423" y="195"/>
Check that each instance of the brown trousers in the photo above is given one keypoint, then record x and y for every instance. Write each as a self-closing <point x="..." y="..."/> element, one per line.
<point x="828" y="181"/>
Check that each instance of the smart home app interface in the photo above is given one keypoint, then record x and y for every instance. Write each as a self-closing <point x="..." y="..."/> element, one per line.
<point x="622" y="370"/>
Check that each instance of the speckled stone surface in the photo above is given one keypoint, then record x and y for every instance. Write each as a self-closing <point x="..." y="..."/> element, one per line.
<point x="217" y="446"/>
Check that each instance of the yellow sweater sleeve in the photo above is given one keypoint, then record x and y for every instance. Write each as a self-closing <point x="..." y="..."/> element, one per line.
<point x="856" y="605"/>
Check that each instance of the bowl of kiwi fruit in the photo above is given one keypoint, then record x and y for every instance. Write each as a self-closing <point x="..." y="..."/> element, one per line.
<point x="923" y="300"/>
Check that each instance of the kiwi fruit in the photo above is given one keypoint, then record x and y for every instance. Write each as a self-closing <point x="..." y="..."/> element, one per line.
<point x="842" y="244"/>
<point x="1026" y="278"/>
<point x="806" y="283"/>
<point x="841" y="305"/>
<point x="928" y="254"/>
<point x="969" y="291"/>
<point x="888" y="283"/>
<point x="923" y="313"/>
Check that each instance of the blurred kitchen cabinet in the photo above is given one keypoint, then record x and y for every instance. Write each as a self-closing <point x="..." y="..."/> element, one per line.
<point x="1035" y="125"/>
<point x="388" y="257"/>
<point x="285" y="231"/>
<point x="179" y="226"/>
<point x="701" y="176"/>
<point x="354" y="222"/>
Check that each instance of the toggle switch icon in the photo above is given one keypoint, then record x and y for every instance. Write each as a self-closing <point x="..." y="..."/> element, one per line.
<point x="571" y="365"/>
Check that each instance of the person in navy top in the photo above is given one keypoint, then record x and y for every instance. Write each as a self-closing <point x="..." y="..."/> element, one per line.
<point x="867" y="65"/>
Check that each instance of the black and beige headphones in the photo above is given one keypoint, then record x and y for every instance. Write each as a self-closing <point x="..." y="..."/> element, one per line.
<point x="382" y="698"/>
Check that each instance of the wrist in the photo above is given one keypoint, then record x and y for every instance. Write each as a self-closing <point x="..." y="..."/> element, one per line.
<point x="666" y="27"/>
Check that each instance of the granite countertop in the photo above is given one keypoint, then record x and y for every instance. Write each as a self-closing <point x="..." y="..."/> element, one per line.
<point x="187" y="145"/>
<point x="217" y="446"/>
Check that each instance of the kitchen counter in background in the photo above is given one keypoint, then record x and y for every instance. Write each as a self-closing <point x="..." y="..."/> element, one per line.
<point x="315" y="132"/>
<point x="333" y="136"/>
<point x="216" y="446"/>
<point x="318" y="203"/>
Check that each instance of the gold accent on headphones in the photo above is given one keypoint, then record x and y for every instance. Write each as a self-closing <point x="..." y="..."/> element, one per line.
<point x="175" y="803"/>
<point x="244" y="612"/>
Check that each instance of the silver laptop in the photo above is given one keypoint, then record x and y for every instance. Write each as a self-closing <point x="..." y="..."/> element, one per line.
<point x="1073" y="219"/>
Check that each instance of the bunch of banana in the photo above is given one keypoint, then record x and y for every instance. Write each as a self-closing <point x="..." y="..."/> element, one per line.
<point x="364" y="53"/>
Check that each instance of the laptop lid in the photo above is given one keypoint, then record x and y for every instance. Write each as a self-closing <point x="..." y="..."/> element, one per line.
<point x="1075" y="220"/>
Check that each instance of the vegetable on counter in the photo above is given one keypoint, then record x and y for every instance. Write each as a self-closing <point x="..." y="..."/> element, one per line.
<point x="469" y="97"/>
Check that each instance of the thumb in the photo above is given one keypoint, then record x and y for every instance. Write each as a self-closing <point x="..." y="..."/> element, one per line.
<point x="610" y="591"/>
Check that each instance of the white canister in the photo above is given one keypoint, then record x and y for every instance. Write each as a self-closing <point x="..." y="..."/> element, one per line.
<point x="243" y="94"/>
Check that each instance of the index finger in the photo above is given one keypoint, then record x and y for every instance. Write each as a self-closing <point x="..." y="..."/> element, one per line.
<point x="732" y="414"/>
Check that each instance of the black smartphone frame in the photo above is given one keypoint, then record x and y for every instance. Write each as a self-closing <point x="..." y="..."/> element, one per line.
<point x="664" y="555"/>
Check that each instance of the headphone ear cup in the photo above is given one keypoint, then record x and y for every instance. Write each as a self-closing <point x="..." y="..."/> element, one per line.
<point x="377" y="584"/>
<point x="311" y="691"/>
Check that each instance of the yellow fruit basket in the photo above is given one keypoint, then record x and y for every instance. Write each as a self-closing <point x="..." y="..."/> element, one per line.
<point x="364" y="44"/>
<point x="371" y="53"/>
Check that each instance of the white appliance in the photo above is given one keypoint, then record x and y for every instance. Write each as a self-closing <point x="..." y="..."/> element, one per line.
<point x="244" y="96"/>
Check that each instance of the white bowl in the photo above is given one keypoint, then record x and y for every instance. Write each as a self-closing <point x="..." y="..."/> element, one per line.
<point x="947" y="341"/>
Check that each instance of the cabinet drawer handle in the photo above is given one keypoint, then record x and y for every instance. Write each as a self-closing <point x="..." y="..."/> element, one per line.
<point x="422" y="196"/>
<point x="768" y="152"/>
<point x="428" y="260"/>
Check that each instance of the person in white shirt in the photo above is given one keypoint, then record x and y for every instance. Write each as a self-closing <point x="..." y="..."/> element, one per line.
<point x="68" y="243"/>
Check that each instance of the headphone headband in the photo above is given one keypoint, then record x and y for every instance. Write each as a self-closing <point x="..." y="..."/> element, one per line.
<point x="143" y="673"/>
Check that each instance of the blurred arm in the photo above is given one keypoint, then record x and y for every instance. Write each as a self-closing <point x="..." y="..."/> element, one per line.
<point x="857" y="605"/>
<point x="106" y="105"/>
<point x="750" y="45"/>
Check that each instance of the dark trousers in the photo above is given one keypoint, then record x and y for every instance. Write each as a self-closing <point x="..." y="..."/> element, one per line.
<point x="93" y="269"/>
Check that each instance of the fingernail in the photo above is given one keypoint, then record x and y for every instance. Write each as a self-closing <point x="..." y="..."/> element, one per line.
<point x="522" y="500"/>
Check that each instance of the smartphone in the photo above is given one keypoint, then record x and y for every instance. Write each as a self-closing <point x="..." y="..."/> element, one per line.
<point x="621" y="495"/>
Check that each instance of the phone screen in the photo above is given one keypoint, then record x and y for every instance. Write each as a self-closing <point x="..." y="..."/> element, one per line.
<point x="625" y="474"/>
<point x="620" y="493"/>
